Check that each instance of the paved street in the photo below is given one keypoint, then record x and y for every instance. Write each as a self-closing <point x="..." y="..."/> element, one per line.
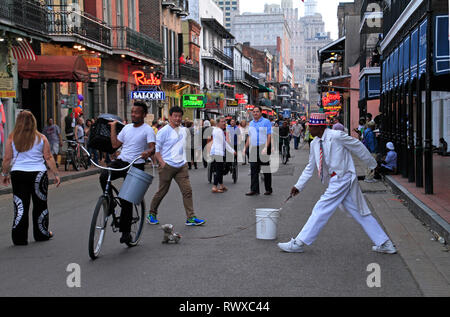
<point x="236" y="265"/>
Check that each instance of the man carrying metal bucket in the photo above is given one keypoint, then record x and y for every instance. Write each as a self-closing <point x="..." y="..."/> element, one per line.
<point x="137" y="138"/>
<point x="331" y="153"/>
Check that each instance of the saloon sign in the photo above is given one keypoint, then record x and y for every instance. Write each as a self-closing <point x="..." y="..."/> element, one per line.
<point x="148" y="95"/>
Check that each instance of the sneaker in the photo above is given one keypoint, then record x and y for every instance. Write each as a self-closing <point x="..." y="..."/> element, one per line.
<point x="370" y="181"/>
<point x="291" y="247"/>
<point x="194" y="221"/>
<point x="151" y="219"/>
<point x="387" y="248"/>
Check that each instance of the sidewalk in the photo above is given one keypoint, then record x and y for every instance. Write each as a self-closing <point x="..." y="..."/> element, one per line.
<point x="432" y="210"/>
<point x="65" y="176"/>
<point x="427" y="259"/>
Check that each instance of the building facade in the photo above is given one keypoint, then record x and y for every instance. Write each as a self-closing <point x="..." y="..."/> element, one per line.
<point x="415" y="97"/>
<point x="230" y="9"/>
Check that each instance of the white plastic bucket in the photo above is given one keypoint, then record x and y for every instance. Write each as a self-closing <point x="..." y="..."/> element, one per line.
<point x="135" y="186"/>
<point x="267" y="221"/>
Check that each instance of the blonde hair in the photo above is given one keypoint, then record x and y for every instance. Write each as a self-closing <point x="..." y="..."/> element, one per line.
<point x="213" y="122"/>
<point x="25" y="132"/>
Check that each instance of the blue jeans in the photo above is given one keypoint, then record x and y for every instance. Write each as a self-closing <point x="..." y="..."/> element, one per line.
<point x="94" y="155"/>
<point x="296" y="142"/>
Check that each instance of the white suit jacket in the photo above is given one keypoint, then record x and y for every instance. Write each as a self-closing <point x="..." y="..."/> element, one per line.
<point x="338" y="148"/>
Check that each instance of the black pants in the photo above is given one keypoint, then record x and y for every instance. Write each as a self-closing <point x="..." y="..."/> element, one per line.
<point x="192" y="159"/>
<point x="29" y="186"/>
<point x="255" y="168"/>
<point x="218" y="165"/>
<point x="126" y="215"/>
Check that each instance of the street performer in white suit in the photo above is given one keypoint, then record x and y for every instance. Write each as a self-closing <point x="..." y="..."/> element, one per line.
<point x="331" y="153"/>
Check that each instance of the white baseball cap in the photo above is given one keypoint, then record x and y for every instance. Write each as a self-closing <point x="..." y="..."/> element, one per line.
<point x="390" y="146"/>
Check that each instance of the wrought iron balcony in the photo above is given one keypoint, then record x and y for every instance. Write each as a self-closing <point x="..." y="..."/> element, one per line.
<point x="244" y="77"/>
<point x="78" y="25"/>
<point x="217" y="56"/>
<point x="129" y="41"/>
<point x="23" y="14"/>
<point x="174" y="71"/>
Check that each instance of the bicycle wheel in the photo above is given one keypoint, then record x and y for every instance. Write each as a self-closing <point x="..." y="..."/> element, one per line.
<point x="84" y="161"/>
<point x="285" y="155"/>
<point x="137" y="224"/>
<point x="75" y="162"/>
<point x="98" y="227"/>
<point x="235" y="172"/>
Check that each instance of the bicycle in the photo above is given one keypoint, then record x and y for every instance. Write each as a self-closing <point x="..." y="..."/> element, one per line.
<point x="75" y="156"/>
<point x="103" y="212"/>
<point x="284" y="150"/>
<point x="71" y="158"/>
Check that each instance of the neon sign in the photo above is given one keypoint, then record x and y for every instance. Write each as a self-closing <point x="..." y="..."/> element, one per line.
<point x="142" y="80"/>
<point x="332" y="99"/>
<point x="194" y="101"/>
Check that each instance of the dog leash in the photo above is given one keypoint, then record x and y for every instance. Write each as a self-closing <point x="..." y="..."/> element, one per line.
<point x="243" y="228"/>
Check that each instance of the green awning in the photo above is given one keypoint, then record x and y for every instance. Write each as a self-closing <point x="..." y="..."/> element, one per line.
<point x="264" y="88"/>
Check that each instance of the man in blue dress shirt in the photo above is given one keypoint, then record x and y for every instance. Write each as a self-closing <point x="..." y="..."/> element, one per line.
<point x="259" y="143"/>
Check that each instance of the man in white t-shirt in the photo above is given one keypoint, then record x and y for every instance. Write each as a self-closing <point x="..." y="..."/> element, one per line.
<point x="297" y="130"/>
<point x="136" y="139"/>
<point x="171" y="156"/>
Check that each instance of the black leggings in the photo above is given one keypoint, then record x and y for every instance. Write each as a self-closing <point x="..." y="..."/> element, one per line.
<point x="27" y="186"/>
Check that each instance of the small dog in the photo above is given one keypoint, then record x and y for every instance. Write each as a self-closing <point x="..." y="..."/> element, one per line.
<point x="169" y="235"/>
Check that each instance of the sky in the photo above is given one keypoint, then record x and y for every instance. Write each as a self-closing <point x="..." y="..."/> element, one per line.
<point x="328" y="9"/>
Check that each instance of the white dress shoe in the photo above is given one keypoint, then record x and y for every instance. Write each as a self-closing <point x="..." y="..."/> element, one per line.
<point x="292" y="247"/>
<point x="387" y="248"/>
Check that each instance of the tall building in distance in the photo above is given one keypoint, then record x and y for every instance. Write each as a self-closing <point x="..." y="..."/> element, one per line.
<point x="230" y="9"/>
<point x="312" y="38"/>
<point x="291" y="17"/>
<point x="310" y="7"/>
<point x="268" y="31"/>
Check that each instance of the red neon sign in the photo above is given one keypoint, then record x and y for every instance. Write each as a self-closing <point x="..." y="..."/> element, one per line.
<point x="141" y="80"/>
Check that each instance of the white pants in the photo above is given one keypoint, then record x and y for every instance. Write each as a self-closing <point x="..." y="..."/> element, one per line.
<point x="338" y="193"/>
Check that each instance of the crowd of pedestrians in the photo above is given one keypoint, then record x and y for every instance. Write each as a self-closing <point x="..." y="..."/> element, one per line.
<point x="175" y="146"/>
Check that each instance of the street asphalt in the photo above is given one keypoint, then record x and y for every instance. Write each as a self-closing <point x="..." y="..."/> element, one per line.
<point x="237" y="265"/>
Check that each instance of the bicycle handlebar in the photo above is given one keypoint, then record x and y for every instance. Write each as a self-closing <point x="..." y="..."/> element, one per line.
<point x="109" y="168"/>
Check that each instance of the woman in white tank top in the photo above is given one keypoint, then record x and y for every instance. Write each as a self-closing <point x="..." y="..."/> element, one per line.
<point x="26" y="153"/>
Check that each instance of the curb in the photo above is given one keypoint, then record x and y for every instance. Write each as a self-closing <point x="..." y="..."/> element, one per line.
<point x="7" y="191"/>
<point x="421" y="211"/>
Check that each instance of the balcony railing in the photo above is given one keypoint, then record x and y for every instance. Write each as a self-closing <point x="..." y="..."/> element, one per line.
<point x="222" y="56"/>
<point x="127" y="39"/>
<point x="176" y="71"/>
<point x="242" y="76"/>
<point x="25" y="15"/>
<point x="63" y="22"/>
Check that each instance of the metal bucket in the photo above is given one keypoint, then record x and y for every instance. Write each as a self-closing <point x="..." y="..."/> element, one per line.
<point x="135" y="186"/>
